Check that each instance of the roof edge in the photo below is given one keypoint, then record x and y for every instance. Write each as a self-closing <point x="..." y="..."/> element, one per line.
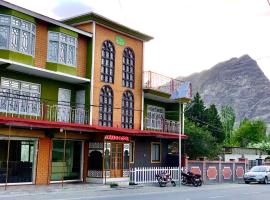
<point x="43" y="18"/>
<point x="79" y="19"/>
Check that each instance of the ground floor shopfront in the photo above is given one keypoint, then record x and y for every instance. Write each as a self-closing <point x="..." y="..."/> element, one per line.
<point x="45" y="156"/>
<point x="32" y="157"/>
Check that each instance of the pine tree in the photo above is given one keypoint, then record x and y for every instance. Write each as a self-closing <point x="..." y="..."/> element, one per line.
<point x="213" y="123"/>
<point x="195" y="110"/>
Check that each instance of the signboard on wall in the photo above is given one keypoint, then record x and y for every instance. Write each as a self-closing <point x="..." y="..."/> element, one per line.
<point x="117" y="138"/>
<point x="119" y="40"/>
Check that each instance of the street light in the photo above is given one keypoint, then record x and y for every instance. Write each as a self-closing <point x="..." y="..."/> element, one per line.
<point x="183" y="95"/>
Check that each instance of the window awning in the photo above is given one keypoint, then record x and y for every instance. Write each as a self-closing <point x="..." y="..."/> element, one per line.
<point x="36" y="71"/>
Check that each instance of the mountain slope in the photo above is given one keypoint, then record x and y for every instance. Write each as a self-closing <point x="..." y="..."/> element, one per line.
<point x="238" y="82"/>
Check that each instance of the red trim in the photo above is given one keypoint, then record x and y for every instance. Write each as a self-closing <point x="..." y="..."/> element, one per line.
<point x="85" y="128"/>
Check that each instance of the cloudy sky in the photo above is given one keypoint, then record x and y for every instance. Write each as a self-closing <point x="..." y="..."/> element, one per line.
<point x="190" y="35"/>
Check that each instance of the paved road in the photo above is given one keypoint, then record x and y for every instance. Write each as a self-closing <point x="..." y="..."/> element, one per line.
<point x="207" y="192"/>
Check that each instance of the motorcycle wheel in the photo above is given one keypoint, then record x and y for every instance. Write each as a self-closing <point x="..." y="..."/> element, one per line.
<point x="162" y="184"/>
<point x="200" y="183"/>
<point x="183" y="180"/>
<point x="173" y="183"/>
<point x="195" y="183"/>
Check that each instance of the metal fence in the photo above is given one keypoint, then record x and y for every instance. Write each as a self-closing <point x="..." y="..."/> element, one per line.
<point x="148" y="174"/>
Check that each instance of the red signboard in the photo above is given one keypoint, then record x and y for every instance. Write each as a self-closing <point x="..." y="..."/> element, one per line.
<point x="117" y="138"/>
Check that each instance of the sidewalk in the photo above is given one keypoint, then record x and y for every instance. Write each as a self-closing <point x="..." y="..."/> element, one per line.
<point x="52" y="188"/>
<point x="80" y="191"/>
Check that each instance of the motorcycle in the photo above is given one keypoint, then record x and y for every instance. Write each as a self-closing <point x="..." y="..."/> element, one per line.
<point x="188" y="178"/>
<point x="164" y="178"/>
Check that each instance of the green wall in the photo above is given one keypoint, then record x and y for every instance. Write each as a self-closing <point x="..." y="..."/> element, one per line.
<point x="62" y="30"/>
<point x="17" y="57"/>
<point x="171" y="109"/>
<point x="7" y="11"/>
<point x="61" y="68"/>
<point x="49" y="88"/>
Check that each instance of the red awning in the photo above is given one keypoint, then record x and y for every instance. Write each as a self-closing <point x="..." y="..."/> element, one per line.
<point x="43" y="124"/>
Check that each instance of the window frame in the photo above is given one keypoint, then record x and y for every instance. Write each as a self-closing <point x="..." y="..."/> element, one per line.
<point x="103" y="113"/>
<point x="149" y="123"/>
<point x="32" y="35"/>
<point x="126" y="74"/>
<point x="125" y="109"/>
<point x="156" y="161"/>
<point x="22" y="97"/>
<point x="105" y="69"/>
<point x="68" y="44"/>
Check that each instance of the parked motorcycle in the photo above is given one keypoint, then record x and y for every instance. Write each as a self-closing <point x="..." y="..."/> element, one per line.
<point x="164" y="178"/>
<point x="188" y="178"/>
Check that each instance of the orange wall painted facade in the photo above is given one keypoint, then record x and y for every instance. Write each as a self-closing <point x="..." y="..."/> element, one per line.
<point x="41" y="49"/>
<point x="41" y="44"/>
<point x="103" y="34"/>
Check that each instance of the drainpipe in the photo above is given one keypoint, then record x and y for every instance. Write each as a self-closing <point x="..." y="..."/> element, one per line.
<point x="92" y="72"/>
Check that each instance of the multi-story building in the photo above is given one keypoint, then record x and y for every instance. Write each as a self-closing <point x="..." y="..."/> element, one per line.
<point x="74" y="105"/>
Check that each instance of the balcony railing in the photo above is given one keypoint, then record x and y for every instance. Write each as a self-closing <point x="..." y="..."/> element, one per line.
<point x="161" y="125"/>
<point x="36" y="109"/>
<point x="160" y="83"/>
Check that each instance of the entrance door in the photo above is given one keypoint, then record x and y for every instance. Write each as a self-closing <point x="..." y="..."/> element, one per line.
<point x="116" y="160"/>
<point x="63" y="112"/>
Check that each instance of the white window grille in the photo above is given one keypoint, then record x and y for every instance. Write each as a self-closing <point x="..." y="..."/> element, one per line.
<point x="17" y="35"/>
<point x="19" y="97"/>
<point x="155" y="152"/>
<point x="155" y="117"/>
<point x="62" y="49"/>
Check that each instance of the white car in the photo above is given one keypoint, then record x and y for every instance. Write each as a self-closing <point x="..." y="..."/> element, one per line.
<point x="260" y="174"/>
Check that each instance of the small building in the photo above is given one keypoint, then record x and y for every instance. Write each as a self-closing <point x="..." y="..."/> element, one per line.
<point x="236" y="153"/>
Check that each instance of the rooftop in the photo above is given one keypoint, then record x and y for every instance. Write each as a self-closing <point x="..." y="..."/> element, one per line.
<point x="91" y="16"/>
<point x="43" y="18"/>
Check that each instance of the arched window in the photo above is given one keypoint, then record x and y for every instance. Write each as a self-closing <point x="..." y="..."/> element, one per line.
<point x="107" y="62"/>
<point x="128" y="68"/>
<point x="127" y="110"/>
<point x="106" y="106"/>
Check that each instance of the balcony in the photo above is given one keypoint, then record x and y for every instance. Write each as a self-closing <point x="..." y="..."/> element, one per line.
<point x="25" y="107"/>
<point x="161" y="125"/>
<point x="160" y="83"/>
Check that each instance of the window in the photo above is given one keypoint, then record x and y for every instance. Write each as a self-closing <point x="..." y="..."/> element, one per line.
<point x="66" y="160"/>
<point x="21" y="160"/>
<point x="155" y="152"/>
<point x="127" y="110"/>
<point x="155" y="116"/>
<point x="106" y="106"/>
<point x="107" y="62"/>
<point x="62" y="49"/>
<point x="17" y="35"/>
<point x="128" y="68"/>
<point x="19" y="97"/>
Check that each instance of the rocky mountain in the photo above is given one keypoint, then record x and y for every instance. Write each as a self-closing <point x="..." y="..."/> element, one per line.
<point x="238" y="82"/>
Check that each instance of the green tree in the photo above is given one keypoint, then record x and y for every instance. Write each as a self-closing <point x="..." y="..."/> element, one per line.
<point x="214" y="124"/>
<point x="250" y="131"/>
<point x="200" y="142"/>
<point x="227" y="115"/>
<point x="195" y="110"/>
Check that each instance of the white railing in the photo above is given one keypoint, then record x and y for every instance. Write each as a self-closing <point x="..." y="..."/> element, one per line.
<point x="16" y="108"/>
<point x="148" y="174"/>
<point x="161" y="125"/>
<point x="159" y="82"/>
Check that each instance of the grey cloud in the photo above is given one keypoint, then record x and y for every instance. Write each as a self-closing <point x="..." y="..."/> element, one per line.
<point x="66" y="9"/>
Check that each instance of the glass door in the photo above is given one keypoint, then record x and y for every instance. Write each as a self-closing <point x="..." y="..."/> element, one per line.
<point x="63" y="111"/>
<point x="116" y="160"/>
